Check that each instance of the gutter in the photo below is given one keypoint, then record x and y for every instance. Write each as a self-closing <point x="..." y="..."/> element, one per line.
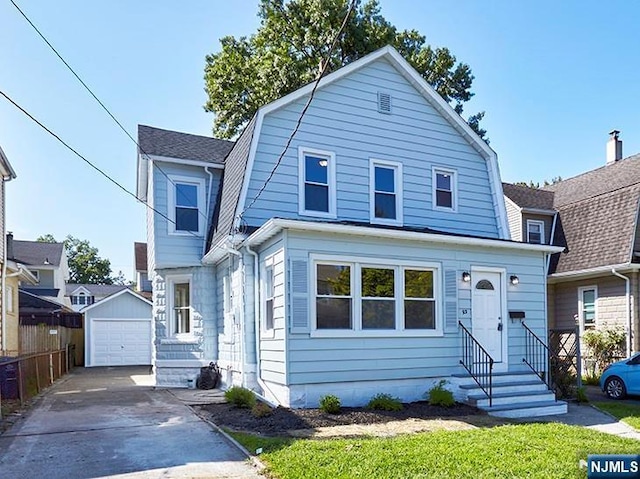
<point x="594" y="271"/>
<point x="206" y="169"/>
<point x="628" y="296"/>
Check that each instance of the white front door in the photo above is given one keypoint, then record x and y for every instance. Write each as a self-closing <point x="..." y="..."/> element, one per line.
<point x="486" y="312"/>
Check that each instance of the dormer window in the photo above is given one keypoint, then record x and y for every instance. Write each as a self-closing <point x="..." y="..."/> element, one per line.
<point x="317" y="190"/>
<point x="385" y="192"/>
<point x="535" y="231"/>
<point x="186" y="205"/>
<point x="82" y="299"/>
<point x="444" y="189"/>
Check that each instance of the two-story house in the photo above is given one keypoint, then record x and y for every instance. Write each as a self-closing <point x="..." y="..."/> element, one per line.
<point x="143" y="284"/>
<point x="594" y="282"/>
<point x="368" y="253"/>
<point x="48" y="263"/>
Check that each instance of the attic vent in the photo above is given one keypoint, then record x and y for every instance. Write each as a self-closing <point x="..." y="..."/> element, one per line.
<point x="384" y="102"/>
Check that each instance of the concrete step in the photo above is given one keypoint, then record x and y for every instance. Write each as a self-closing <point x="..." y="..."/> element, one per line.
<point x="519" y="397"/>
<point x="531" y="409"/>
<point x="524" y="387"/>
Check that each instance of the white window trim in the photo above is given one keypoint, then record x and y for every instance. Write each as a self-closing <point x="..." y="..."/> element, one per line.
<point x="267" y="265"/>
<point x="169" y="299"/>
<point x="454" y="188"/>
<point x="171" y="203"/>
<point x="581" y="290"/>
<point x="356" y="264"/>
<point x="542" y="234"/>
<point x="331" y="179"/>
<point x="398" y="184"/>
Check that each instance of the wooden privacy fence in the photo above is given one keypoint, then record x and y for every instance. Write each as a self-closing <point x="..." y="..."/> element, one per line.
<point x="25" y="376"/>
<point x="38" y="338"/>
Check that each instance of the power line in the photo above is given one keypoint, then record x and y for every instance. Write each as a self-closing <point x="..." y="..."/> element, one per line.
<point x="75" y="152"/>
<point x="325" y="65"/>
<point x="104" y="107"/>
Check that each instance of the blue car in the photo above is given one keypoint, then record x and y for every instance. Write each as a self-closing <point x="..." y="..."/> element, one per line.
<point x="622" y="378"/>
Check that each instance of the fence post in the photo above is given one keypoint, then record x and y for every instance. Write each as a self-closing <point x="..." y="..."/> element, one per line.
<point x="579" y="357"/>
<point x="51" y="368"/>
<point x="37" y="374"/>
<point x="20" y="387"/>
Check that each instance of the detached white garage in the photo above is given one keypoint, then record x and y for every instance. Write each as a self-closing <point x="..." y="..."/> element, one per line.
<point x="118" y="331"/>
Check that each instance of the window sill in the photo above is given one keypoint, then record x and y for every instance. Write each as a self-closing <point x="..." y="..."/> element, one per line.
<point x="183" y="340"/>
<point x="186" y="233"/>
<point x="336" y="333"/>
<point x="444" y="209"/>
<point x="318" y="214"/>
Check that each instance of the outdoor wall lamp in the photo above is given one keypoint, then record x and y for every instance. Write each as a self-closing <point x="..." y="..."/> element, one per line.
<point x="466" y="277"/>
<point x="514" y="280"/>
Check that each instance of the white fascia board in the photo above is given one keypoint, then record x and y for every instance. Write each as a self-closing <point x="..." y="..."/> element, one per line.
<point x="221" y="248"/>
<point x="585" y="273"/>
<point x="275" y="225"/>
<point x="7" y="170"/>
<point x="538" y="211"/>
<point x="182" y="161"/>
<point x="142" y="178"/>
<point x="78" y="290"/>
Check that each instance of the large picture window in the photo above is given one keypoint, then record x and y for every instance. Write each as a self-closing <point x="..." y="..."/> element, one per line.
<point x="333" y="296"/>
<point x="365" y="296"/>
<point x="317" y="183"/>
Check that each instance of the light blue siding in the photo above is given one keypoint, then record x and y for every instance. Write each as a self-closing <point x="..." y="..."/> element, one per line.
<point x="172" y="250"/>
<point x="333" y="359"/>
<point x="343" y="118"/>
<point x="124" y="306"/>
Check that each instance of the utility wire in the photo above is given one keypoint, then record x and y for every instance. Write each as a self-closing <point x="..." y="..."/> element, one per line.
<point x="104" y="107"/>
<point x="75" y="152"/>
<point x="325" y="66"/>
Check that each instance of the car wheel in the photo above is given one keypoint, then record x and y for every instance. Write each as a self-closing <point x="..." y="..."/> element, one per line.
<point x="614" y="388"/>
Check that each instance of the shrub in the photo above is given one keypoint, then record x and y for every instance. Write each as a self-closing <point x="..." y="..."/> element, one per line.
<point x="591" y="379"/>
<point x="604" y="347"/>
<point x="581" y="395"/>
<point x="441" y="396"/>
<point x="330" y="404"/>
<point x="385" y="402"/>
<point x="261" y="409"/>
<point x="240" y="397"/>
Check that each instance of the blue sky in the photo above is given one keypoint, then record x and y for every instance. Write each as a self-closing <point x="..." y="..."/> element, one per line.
<point x="553" y="77"/>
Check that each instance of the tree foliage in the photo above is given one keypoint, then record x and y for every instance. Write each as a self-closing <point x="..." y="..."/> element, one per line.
<point x="85" y="265"/>
<point x="294" y="38"/>
<point x="536" y="185"/>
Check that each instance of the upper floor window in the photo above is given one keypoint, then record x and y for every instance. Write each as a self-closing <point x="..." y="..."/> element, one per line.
<point x="82" y="299"/>
<point x="385" y="191"/>
<point x="317" y="186"/>
<point x="444" y="189"/>
<point x="186" y="205"/>
<point x="535" y="231"/>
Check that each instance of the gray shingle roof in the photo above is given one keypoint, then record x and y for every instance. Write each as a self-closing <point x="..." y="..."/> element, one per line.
<point x="597" y="214"/>
<point x="173" y="144"/>
<point x="35" y="253"/>
<point x="526" y="197"/>
<point x="234" y="171"/>
<point x="95" y="289"/>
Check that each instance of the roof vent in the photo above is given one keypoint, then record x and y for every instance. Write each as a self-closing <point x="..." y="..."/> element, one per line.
<point x="384" y="102"/>
<point x="614" y="147"/>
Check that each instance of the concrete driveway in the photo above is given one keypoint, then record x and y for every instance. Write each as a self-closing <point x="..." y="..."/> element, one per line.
<point x="110" y="422"/>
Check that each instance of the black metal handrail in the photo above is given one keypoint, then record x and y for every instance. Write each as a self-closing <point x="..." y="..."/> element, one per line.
<point x="478" y="363"/>
<point x="537" y="356"/>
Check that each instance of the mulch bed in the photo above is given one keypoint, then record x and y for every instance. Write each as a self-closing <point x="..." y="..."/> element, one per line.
<point x="282" y="420"/>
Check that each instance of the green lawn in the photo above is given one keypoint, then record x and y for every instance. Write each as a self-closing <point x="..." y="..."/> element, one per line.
<point x="548" y="450"/>
<point x="629" y="413"/>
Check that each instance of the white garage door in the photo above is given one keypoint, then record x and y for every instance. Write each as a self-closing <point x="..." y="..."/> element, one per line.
<point x="120" y="342"/>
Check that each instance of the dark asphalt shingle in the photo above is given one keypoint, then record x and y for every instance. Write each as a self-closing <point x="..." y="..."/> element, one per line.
<point x="36" y="253"/>
<point x="526" y="197"/>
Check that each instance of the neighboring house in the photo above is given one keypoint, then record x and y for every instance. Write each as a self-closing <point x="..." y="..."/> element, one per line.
<point x="48" y="263"/>
<point x="143" y="284"/>
<point x="16" y="274"/>
<point x="8" y="291"/>
<point x="594" y="282"/>
<point x="345" y="266"/>
<point x="118" y="330"/>
<point x="81" y="295"/>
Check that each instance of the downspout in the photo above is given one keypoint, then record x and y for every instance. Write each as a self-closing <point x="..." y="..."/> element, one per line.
<point x="256" y="314"/>
<point x="628" y="296"/>
<point x="242" y="368"/>
<point x="3" y="281"/>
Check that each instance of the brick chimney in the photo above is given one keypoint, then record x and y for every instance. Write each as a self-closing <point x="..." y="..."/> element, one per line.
<point x="9" y="245"/>
<point x="614" y="147"/>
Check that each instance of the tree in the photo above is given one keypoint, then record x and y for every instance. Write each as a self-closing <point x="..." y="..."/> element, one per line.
<point x="85" y="266"/>
<point x="536" y="185"/>
<point x="292" y="41"/>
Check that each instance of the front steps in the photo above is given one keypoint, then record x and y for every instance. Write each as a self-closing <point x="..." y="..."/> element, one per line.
<point x="515" y="395"/>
